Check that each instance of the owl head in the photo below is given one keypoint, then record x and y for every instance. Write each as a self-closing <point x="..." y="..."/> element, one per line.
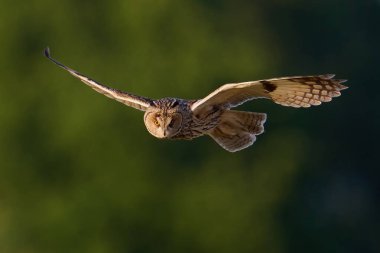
<point x="164" y="119"/>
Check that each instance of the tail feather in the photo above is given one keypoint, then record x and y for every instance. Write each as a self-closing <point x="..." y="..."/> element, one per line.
<point x="237" y="130"/>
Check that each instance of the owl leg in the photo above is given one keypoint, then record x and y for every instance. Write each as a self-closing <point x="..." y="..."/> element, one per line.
<point x="237" y="130"/>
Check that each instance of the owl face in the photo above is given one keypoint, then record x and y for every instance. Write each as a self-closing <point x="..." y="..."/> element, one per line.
<point x="163" y="124"/>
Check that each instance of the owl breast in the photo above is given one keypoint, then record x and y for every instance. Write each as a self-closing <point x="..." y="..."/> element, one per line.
<point x="198" y="125"/>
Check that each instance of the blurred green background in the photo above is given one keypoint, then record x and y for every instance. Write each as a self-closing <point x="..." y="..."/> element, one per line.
<point x="80" y="173"/>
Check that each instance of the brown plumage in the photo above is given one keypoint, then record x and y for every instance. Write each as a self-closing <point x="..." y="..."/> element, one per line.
<point x="174" y="118"/>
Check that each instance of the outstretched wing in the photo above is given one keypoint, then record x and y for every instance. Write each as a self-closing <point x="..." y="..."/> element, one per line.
<point x="298" y="91"/>
<point x="138" y="102"/>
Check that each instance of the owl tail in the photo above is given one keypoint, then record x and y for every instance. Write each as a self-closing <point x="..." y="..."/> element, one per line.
<point x="237" y="130"/>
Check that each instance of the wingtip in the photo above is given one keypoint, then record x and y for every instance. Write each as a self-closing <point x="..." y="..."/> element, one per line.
<point x="342" y="80"/>
<point x="343" y="87"/>
<point x="327" y="76"/>
<point x="47" y="52"/>
<point x="340" y="85"/>
<point x="338" y="81"/>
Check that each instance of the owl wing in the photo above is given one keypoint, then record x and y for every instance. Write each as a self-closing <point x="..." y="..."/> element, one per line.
<point x="297" y="91"/>
<point x="138" y="102"/>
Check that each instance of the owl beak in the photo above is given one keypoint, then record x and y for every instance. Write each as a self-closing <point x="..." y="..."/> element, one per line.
<point x="166" y="132"/>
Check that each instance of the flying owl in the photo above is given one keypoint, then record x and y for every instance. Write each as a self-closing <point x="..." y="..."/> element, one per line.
<point x="175" y="118"/>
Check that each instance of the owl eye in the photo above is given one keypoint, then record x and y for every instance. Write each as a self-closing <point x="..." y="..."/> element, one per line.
<point x="156" y="122"/>
<point x="171" y="124"/>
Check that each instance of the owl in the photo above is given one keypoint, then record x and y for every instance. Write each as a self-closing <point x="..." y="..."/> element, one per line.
<point x="175" y="118"/>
